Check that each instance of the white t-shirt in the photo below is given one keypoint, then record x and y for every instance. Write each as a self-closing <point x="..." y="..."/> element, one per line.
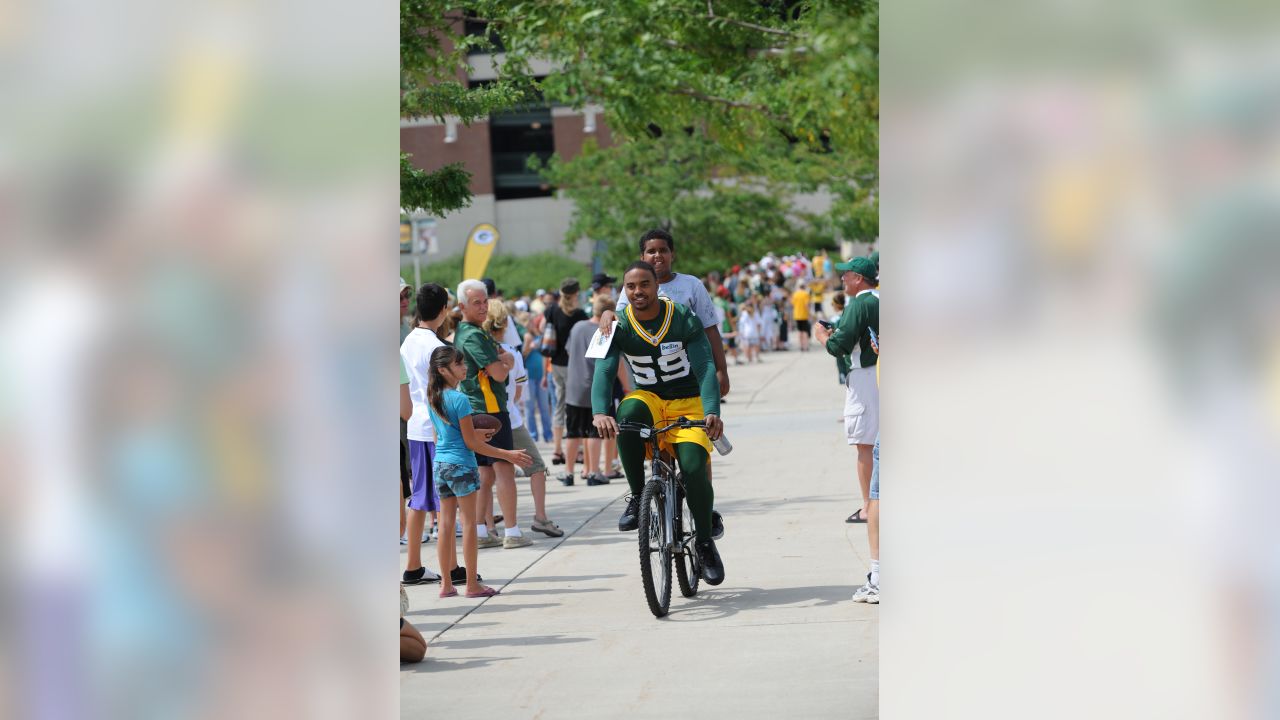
<point x="748" y="326"/>
<point x="686" y="290"/>
<point x="517" y="380"/>
<point x="768" y="317"/>
<point x="511" y="337"/>
<point x="416" y="352"/>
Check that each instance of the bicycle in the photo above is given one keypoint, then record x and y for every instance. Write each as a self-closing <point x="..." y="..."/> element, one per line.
<point x="662" y="533"/>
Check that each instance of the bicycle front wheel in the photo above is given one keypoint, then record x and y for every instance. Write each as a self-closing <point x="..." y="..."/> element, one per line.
<point x="655" y="549"/>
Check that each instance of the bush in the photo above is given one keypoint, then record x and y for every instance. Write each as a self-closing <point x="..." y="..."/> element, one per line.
<point x="515" y="274"/>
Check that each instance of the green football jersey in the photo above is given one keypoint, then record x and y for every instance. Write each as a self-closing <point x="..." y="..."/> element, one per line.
<point x="669" y="356"/>
<point x="480" y="350"/>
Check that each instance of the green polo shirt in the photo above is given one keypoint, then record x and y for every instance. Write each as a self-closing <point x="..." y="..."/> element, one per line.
<point x="861" y="314"/>
<point x="480" y="351"/>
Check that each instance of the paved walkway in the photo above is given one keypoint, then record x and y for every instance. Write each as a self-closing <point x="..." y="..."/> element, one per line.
<point x="571" y="637"/>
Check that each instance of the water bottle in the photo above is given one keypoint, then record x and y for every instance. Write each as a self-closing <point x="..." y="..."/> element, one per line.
<point x="722" y="445"/>
<point x="549" y="340"/>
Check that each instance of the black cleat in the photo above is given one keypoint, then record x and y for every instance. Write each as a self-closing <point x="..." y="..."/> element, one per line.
<point x="595" y="479"/>
<point x="630" y="519"/>
<point x="712" y="568"/>
<point x="717" y="525"/>
<point x="566" y="479"/>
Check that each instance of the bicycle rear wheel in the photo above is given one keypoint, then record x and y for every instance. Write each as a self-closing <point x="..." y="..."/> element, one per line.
<point x="655" y="551"/>
<point x="688" y="571"/>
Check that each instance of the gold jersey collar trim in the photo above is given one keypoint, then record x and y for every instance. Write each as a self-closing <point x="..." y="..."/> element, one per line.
<point x="654" y="339"/>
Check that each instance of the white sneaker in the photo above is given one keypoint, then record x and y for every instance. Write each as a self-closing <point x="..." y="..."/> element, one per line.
<point x="515" y="541"/>
<point x="404" y="540"/>
<point x="868" y="593"/>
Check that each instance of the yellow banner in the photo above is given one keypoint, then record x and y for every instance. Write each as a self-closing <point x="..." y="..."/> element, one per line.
<point x="480" y="245"/>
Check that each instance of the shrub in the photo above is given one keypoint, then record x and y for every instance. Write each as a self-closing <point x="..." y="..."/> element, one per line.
<point x="515" y="275"/>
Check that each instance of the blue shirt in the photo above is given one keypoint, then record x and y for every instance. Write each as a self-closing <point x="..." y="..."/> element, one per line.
<point x="450" y="448"/>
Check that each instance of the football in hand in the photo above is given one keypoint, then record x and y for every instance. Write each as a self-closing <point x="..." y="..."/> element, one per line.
<point x="480" y="421"/>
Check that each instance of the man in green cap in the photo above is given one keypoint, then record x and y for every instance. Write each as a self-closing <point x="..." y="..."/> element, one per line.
<point x="851" y="344"/>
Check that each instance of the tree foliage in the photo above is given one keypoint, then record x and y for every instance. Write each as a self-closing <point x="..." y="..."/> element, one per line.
<point x="438" y="192"/>
<point x="433" y="55"/>
<point x="663" y="182"/>
<point x="743" y="104"/>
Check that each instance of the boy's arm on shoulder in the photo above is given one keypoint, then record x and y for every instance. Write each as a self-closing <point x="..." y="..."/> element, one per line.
<point x="704" y="370"/>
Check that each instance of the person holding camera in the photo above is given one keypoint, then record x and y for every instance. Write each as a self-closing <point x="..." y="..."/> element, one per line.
<point x="850" y="343"/>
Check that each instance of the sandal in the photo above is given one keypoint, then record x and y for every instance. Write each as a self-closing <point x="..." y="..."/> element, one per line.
<point x="487" y="592"/>
<point x="451" y="593"/>
<point x="856" y="517"/>
<point x="557" y="459"/>
<point x="547" y="527"/>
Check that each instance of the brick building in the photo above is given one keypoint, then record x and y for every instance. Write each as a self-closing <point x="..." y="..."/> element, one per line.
<point x="529" y="215"/>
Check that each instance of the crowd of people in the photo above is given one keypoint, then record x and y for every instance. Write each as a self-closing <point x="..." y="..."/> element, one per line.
<point x="484" y="378"/>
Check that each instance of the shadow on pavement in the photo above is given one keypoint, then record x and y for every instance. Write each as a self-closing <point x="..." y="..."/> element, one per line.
<point x="431" y="665"/>
<point x="516" y="591"/>
<point x="566" y="578"/>
<point x="452" y="610"/>
<point x="512" y="641"/>
<point x="715" y="603"/>
<point x="579" y="541"/>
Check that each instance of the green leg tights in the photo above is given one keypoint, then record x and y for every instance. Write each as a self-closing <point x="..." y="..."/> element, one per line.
<point x="631" y="445"/>
<point x="693" y="460"/>
<point x="693" y="466"/>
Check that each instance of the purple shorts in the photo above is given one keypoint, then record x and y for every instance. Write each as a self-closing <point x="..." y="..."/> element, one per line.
<point x="422" y="490"/>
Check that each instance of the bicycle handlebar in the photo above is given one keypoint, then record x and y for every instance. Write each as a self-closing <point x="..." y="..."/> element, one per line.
<point x="682" y="422"/>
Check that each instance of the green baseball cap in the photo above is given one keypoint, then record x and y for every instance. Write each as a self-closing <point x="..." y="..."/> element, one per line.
<point x="862" y="266"/>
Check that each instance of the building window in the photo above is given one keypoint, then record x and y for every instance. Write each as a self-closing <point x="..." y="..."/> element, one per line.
<point x="514" y="137"/>
<point x="478" y="28"/>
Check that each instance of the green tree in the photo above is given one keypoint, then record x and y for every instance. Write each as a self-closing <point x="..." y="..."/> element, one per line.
<point x="433" y="55"/>
<point x="663" y="182"/>
<point x="782" y="94"/>
<point x="774" y="98"/>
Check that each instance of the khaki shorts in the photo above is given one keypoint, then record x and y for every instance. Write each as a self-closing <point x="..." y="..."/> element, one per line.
<point x="524" y="441"/>
<point x="560" y="375"/>
<point x="861" y="406"/>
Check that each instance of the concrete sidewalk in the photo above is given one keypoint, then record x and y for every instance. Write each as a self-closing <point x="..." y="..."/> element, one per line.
<point x="571" y="636"/>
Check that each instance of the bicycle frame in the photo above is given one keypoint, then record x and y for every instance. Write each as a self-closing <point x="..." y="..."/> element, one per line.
<point x="671" y="480"/>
